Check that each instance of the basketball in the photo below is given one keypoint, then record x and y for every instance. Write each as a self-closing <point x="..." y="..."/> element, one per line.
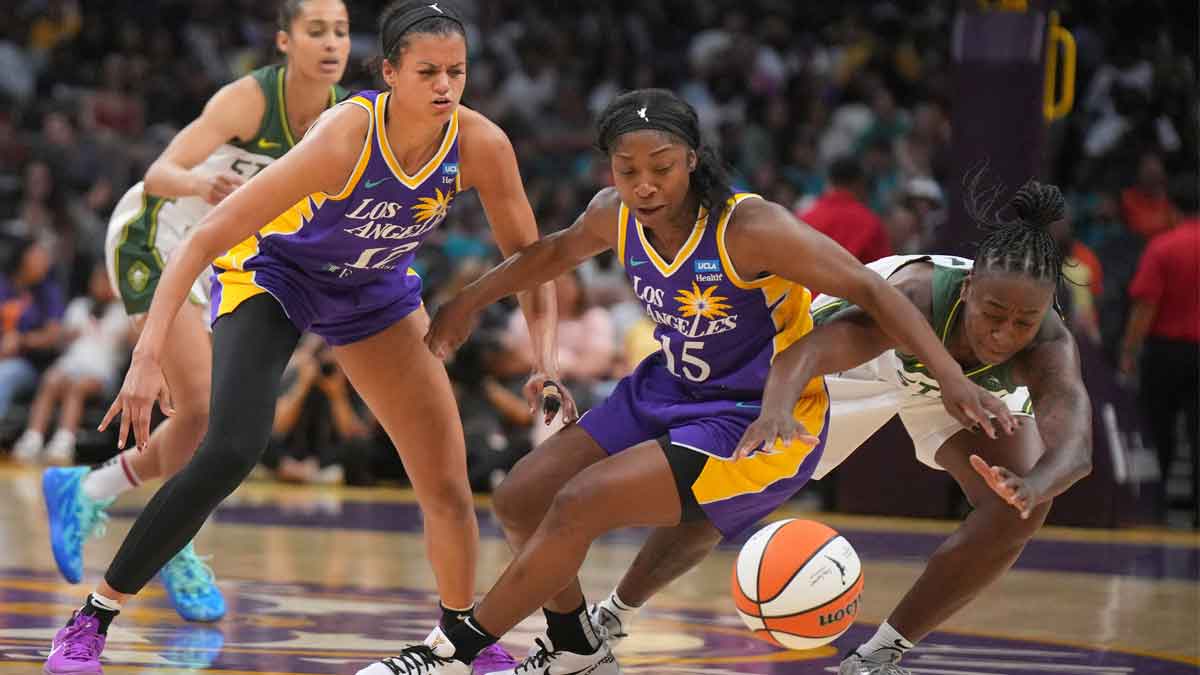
<point x="796" y="584"/>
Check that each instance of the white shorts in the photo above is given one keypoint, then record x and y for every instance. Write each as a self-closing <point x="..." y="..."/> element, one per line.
<point x="860" y="407"/>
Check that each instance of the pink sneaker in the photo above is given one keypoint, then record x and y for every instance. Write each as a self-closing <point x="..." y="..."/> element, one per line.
<point x="76" y="648"/>
<point x="493" y="660"/>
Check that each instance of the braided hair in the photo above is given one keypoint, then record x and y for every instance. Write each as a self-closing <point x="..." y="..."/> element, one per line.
<point x="661" y="110"/>
<point x="1022" y="245"/>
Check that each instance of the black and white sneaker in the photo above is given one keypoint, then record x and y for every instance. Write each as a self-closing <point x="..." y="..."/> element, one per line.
<point x="433" y="657"/>
<point x="607" y="622"/>
<point x="547" y="661"/>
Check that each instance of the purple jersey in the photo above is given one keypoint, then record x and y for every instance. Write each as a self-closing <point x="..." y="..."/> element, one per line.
<point x="333" y="260"/>
<point x="719" y="333"/>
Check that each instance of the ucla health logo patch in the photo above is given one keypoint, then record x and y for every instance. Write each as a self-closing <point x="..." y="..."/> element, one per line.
<point x="707" y="269"/>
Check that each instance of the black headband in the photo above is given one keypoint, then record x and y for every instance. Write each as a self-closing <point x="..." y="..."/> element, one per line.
<point x="644" y="118"/>
<point x="407" y="19"/>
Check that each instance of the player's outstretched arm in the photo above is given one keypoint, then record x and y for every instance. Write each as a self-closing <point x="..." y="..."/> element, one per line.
<point x="544" y="260"/>
<point x="768" y="234"/>
<point x="1050" y="368"/>
<point x="233" y="112"/>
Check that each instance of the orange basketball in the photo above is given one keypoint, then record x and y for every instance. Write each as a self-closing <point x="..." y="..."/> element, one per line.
<point x="796" y="584"/>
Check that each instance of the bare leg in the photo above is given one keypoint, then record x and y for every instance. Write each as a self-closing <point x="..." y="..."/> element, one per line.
<point x="187" y="366"/>
<point x="635" y="487"/>
<point x="415" y="404"/>
<point x="667" y="554"/>
<point x="988" y="542"/>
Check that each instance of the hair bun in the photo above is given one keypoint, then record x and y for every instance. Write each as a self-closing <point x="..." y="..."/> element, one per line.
<point x="1038" y="204"/>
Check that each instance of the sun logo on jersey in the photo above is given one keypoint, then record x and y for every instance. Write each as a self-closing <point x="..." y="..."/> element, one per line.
<point x="702" y="304"/>
<point x="432" y="210"/>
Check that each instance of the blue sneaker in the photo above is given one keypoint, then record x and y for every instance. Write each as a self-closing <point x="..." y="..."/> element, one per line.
<point x="74" y="517"/>
<point x="192" y="587"/>
<point x="194" y="647"/>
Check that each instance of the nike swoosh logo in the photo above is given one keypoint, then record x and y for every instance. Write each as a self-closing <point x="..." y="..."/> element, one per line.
<point x="268" y="145"/>
<point x="372" y="183"/>
<point x="634" y="262"/>
<point x="743" y="404"/>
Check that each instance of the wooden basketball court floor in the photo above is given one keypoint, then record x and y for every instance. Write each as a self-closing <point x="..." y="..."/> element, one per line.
<point x="324" y="580"/>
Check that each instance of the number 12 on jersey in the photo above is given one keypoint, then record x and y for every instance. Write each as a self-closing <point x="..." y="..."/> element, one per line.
<point x="694" y="368"/>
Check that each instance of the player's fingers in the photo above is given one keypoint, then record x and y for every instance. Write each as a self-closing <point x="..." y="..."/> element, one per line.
<point x="980" y="416"/>
<point x="113" y="411"/>
<point x="164" y="402"/>
<point x="570" y="410"/>
<point x="123" y="434"/>
<point x="751" y="439"/>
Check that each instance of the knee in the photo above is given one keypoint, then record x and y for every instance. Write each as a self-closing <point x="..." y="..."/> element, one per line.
<point x="1005" y="527"/>
<point x="447" y="500"/>
<point x="513" y="506"/>
<point x="192" y="416"/>
<point x="572" y="510"/>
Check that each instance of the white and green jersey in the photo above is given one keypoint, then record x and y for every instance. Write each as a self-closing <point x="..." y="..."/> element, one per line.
<point x="864" y="398"/>
<point x="144" y="229"/>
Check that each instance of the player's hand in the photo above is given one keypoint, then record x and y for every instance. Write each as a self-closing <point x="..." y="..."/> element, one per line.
<point x="219" y="186"/>
<point x="975" y="407"/>
<point x="144" y="384"/>
<point x="548" y="393"/>
<point x="450" y="328"/>
<point x="772" y="425"/>
<point x="1016" y="490"/>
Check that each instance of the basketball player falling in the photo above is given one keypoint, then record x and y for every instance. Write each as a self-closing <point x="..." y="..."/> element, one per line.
<point x="995" y="317"/>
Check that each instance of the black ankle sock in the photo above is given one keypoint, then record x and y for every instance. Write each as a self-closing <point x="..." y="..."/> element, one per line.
<point x="450" y="617"/>
<point x="573" y="631"/>
<point x="102" y="614"/>
<point x="469" y="638"/>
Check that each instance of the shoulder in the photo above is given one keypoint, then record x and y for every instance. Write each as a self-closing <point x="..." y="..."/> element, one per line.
<point x="343" y="123"/>
<point x="479" y="132"/>
<point x="915" y="282"/>
<point x="237" y="108"/>
<point x="1052" y="348"/>
<point x="758" y="219"/>
<point x="605" y="204"/>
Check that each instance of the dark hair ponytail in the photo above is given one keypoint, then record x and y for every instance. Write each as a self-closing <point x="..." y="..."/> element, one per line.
<point x="1023" y="245"/>
<point x="661" y="110"/>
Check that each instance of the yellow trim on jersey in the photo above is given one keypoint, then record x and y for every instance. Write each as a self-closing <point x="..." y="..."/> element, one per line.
<point x="722" y="479"/>
<point x="385" y="148"/>
<point x="622" y="232"/>
<point x="685" y="252"/>
<point x="726" y="261"/>
<point x="237" y="286"/>
<point x="364" y="157"/>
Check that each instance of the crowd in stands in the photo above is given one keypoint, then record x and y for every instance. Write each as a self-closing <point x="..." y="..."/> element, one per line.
<point x="840" y="111"/>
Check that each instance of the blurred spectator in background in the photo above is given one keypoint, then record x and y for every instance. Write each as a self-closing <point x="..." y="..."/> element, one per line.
<point x="99" y="335"/>
<point x="842" y="214"/>
<point x="1164" y="328"/>
<point x="31" y="309"/>
<point x="317" y="422"/>
<point x="1145" y="204"/>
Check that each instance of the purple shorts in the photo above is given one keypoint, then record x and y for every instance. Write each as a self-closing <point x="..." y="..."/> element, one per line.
<point x="339" y="314"/>
<point x="651" y="403"/>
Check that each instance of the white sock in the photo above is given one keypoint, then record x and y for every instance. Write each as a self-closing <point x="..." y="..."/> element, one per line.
<point x="886" y="646"/>
<point x="105" y="603"/>
<point x="619" y="608"/>
<point x="112" y="478"/>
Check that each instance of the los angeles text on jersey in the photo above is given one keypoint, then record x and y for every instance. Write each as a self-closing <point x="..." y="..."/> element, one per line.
<point x="652" y="299"/>
<point x="377" y="213"/>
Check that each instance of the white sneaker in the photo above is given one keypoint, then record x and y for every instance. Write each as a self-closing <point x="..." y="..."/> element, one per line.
<point x="546" y="661"/>
<point x="28" y="447"/>
<point x="608" y="624"/>
<point x="61" y="448"/>
<point x="432" y="657"/>
<point x="857" y="665"/>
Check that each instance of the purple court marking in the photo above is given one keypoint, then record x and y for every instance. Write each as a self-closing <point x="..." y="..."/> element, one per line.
<point x="308" y="628"/>
<point x="1137" y="560"/>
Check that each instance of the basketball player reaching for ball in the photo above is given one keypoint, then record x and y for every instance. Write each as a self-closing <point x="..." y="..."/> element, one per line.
<point x="995" y="318"/>
<point x="726" y="277"/>
<point x="246" y="126"/>
<point x="327" y="235"/>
